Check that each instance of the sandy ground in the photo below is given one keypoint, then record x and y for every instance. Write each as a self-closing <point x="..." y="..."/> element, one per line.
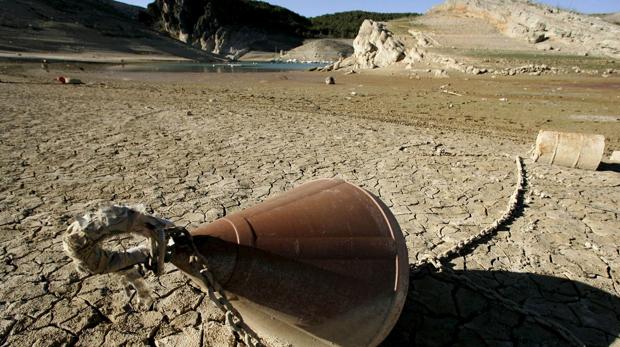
<point x="461" y="32"/>
<point x="194" y="147"/>
<point x="99" y="57"/>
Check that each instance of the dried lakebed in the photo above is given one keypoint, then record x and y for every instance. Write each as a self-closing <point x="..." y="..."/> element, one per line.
<point x="197" y="151"/>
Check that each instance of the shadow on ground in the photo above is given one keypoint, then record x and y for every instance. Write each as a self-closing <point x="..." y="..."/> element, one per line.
<point x="442" y="310"/>
<point x="614" y="167"/>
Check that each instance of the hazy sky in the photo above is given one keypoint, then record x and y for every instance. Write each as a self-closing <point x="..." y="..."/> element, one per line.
<point x="318" y="7"/>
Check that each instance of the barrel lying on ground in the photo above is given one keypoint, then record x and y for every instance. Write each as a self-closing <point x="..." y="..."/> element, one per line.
<point x="575" y="150"/>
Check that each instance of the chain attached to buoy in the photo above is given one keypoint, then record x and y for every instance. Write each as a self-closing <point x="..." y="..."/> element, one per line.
<point x="181" y="238"/>
<point x="167" y="240"/>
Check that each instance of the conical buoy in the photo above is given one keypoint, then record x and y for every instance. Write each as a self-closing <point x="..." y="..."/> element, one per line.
<point x="324" y="264"/>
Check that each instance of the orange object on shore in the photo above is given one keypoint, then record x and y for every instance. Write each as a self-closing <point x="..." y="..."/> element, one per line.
<point x="324" y="264"/>
<point x="68" y="80"/>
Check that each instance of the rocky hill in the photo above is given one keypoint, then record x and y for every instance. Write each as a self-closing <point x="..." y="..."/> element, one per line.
<point x="234" y="27"/>
<point x="229" y="27"/>
<point x="462" y="35"/>
<point x="549" y="27"/>
<point x="194" y="29"/>
<point x="610" y="17"/>
<point x="89" y="27"/>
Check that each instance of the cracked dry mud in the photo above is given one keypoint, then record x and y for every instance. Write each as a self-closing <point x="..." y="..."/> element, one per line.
<point x="66" y="149"/>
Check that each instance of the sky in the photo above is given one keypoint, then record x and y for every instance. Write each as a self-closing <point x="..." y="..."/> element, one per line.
<point x="319" y="7"/>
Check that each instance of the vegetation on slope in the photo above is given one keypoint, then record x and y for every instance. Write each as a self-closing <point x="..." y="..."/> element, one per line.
<point x="347" y="24"/>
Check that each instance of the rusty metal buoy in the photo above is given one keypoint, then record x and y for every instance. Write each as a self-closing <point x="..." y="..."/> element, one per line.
<point x="324" y="264"/>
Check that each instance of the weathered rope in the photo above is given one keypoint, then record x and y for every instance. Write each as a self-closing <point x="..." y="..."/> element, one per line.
<point x="82" y="242"/>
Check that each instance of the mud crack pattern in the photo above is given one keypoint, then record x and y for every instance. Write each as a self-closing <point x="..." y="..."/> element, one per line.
<point x="126" y="142"/>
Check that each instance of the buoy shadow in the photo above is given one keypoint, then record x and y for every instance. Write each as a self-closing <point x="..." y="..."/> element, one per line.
<point x="443" y="310"/>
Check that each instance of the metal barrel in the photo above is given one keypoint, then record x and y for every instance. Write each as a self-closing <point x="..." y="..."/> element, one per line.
<point x="324" y="264"/>
<point x="575" y="150"/>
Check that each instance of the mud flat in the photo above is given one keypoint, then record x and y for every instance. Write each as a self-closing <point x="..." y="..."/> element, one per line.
<point x="194" y="147"/>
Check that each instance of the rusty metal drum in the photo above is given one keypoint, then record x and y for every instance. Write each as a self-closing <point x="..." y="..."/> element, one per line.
<point x="575" y="150"/>
<point x="324" y="264"/>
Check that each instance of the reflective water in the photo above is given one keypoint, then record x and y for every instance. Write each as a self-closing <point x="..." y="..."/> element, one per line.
<point x="219" y="68"/>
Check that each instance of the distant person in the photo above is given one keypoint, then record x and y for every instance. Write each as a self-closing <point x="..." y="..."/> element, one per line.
<point x="45" y="66"/>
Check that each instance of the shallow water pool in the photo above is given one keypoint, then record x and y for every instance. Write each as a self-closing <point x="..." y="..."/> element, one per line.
<point x="219" y="67"/>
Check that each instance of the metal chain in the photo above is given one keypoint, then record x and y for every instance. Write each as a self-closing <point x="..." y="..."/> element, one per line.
<point x="436" y="262"/>
<point x="232" y="317"/>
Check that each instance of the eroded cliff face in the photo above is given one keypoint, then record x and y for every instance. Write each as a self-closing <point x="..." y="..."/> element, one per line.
<point x="545" y="26"/>
<point x="229" y="27"/>
<point x="375" y="46"/>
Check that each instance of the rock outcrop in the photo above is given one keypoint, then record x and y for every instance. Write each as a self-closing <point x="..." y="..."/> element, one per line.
<point x="230" y="27"/>
<point x="558" y="29"/>
<point x="422" y="39"/>
<point x="375" y="46"/>
<point x="414" y="55"/>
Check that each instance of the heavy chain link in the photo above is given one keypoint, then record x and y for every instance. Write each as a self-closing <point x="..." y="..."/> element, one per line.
<point x="436" y="262"/>
<point x="232" y="318"/>
<point x="459" y="247"/>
